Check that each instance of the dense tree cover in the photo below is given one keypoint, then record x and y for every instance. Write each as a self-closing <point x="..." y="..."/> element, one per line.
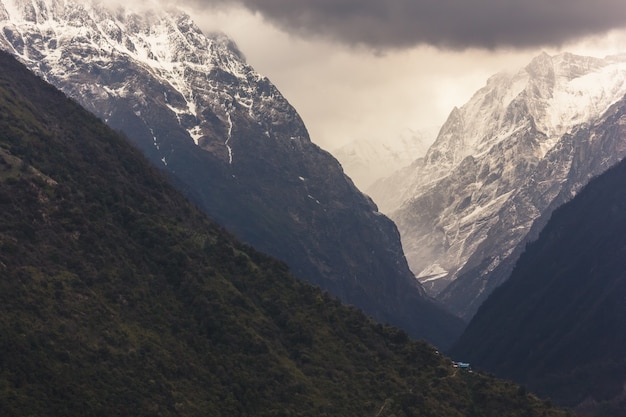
<point x="558" y="325"/>
<point x="118" y="297"/>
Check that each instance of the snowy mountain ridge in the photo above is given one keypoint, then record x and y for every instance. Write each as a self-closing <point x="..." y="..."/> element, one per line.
<point x="561" y="92"/>
<point x="497" y="164"/>
<point x="558" y="93"/>
<point x="167" y="44"/>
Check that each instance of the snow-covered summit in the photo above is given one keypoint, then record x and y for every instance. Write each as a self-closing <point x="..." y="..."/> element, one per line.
<point x="557" y="92"/>
<point x="158" y="38"/>
<point x="201" y="72"/>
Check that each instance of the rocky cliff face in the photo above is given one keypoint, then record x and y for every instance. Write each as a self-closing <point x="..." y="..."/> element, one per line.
<point x="230" y="140"/>
<point x="503" y="160"/>
<point x="558" y="323"/>
<point x="580" y="156"/>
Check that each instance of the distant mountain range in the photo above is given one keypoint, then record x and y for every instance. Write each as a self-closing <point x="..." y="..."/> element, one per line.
<point x="558" y="325"/>
<point x="231" y="142"/>
<point x="366" y="161"/>
<point x="500" y="165"/>
<point x="120" y="297"/>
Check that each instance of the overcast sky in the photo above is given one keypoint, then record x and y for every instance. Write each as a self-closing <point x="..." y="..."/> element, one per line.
<point x="371" y="69"/>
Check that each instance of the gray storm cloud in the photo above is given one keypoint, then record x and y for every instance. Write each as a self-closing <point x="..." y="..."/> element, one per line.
<point x="456" y="24"/>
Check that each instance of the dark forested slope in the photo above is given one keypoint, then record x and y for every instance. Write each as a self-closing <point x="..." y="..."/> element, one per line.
<point x="118" y="297"/>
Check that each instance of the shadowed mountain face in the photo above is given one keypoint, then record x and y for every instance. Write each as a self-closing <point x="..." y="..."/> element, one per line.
<point x="119" y="297"/>
<point x="558" y="324"/>
<point x="234" y="145"/>
<point x="500" y="165"/>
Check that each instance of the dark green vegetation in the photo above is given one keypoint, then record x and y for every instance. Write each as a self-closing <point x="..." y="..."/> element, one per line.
<point x="118" y="297"/>
<point x="558" y="325"/>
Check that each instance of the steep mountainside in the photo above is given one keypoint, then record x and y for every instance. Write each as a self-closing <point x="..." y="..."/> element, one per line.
<point x="558" y="324"/>
<point x="367" y="161"/>
<point x="503" y="160"/>
<point x="235" y="145"/>
<point x="118" y="297"/>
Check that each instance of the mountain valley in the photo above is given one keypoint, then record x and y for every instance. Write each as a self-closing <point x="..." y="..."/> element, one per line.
<point x="174" y="243"/>
<point x="120" y="297"/>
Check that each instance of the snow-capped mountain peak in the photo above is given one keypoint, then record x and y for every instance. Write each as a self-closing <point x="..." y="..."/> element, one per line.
<point x="498" y="163"/>
<point x="557" y="93"/>
<point x="56" y="35"/>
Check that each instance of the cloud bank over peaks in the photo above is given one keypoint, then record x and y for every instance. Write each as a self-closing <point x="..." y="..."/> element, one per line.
<point x="452" y="24"/>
